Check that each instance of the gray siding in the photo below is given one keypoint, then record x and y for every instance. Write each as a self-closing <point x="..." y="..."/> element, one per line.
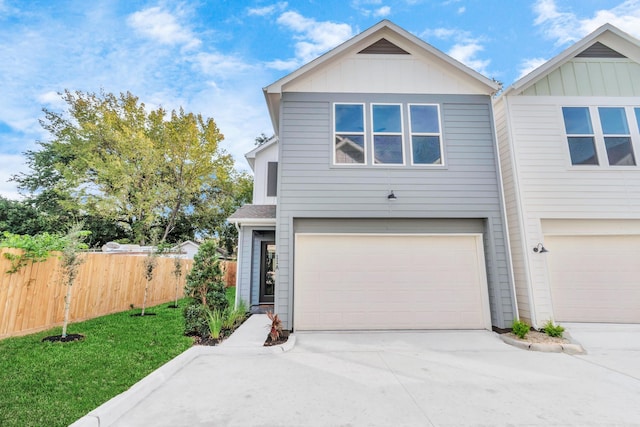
<point x="249" y="253"/>
<point x="466" y="187"/>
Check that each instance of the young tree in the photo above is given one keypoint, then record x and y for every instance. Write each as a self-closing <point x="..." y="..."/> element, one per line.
<point x="206" y="289"/>
<point x="70" y="262"/>
<point x="177" y="273"/>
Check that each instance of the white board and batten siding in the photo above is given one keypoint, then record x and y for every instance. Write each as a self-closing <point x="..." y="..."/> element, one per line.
<point x="541" y="184"/>
<point x="465" y="188"/>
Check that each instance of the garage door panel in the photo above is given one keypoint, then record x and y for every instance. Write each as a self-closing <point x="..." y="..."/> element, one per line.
<point x="595" y="278"/>
<point x="389" y="282"/>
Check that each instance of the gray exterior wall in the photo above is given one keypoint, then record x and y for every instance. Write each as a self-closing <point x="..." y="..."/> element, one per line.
<point x="467" y="187"/>
<point x="249" y="252"/>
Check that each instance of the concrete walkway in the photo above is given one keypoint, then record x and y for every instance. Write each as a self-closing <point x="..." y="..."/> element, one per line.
<point x="248" y="339"/>
<point x="431" y="378"/>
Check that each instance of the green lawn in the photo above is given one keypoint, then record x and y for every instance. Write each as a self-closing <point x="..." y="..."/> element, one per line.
<point x="53" y="384"/>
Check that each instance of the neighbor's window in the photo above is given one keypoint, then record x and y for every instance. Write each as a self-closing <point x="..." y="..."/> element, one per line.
<point x="387" y="134"/>
<point x="349" y="134"/>
<point x="617" y="138"/>
<point x="577" y="123"/>
<point x="426" y="141"/>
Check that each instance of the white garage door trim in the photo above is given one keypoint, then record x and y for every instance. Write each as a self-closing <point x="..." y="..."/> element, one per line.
<point x="584" y="285"/>
<point x="311" y="310"/>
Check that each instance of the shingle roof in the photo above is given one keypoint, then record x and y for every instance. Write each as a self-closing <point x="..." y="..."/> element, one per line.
<point x="255" y="212"/>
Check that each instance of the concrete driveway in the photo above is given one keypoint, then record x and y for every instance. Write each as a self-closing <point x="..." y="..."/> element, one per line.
<point x="398" y="379"/>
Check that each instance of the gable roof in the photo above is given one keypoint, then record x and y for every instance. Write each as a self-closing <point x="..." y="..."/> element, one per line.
<point x="586" y="47"/>
<point x="251" y="155"/>
<point x="273" y="92"/>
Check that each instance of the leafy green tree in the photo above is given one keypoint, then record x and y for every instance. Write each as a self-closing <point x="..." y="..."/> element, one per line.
<point x="34" y="248"/>
<point x="110" y="158"/>
<point x="205" y="288"/>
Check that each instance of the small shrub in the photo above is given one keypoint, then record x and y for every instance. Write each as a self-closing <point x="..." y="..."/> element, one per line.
<point x="521" y="329"/>
<point x="195" y="319"/>
<point x="276" y="326"/>
<point x="553" y="330"/>
<point x="215" y="321"/>
<point x="205" y="289"/>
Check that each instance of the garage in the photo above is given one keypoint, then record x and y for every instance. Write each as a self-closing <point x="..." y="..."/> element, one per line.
<point x="390" y="281"/>
<point x="595" y="278"/>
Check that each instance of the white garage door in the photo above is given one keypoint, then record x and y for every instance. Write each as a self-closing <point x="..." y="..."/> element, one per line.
<point x="356" y="282"/>
<point x="595" y="278"/>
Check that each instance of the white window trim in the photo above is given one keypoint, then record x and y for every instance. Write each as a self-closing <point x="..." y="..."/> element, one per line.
<point x="613" y="135"/>
<point x="439" y="135"/>
<point x="374" y="133"/>
<point x="598" y="135"/>
<point x="363" y="133"/>
<point x="595" y="128"/>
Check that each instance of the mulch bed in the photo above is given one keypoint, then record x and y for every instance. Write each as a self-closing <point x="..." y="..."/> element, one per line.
<point x="284" y="336"/>
<point x="140" y="314"/>
<point x="60" y="338"/>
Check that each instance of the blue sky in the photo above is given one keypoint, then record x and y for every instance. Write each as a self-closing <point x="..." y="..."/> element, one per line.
<point x="215" y="56"/>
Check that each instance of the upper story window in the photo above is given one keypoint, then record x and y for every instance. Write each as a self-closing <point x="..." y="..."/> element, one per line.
<point x="349" y="134"/>
<point x="387" y="134"/>
<point x="609" y="133"/>
<point x="426" y="141"/>
<point x="577" y="123"/>
<point x="617" y="138"/>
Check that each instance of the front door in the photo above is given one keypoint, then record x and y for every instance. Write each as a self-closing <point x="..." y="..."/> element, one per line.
<point x="267" y="272"/>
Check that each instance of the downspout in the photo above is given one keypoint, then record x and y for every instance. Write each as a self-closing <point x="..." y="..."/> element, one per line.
<point x="238" y="270"/>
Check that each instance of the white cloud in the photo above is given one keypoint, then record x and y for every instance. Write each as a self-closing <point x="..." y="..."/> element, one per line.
<point x="465" y="49"/>
<point x="383" y="11"/>
<point x="314" y="38"/>
<point x="530" y="64"/>
<point x="467" y="54"/>
<point x="462" y="10"/>
<point x="267" y="10"/>
<point x="566" y="27"/>
<point x="160" y="25"/>
<point x="281" y="65"/>
<point x="10" y="164"/>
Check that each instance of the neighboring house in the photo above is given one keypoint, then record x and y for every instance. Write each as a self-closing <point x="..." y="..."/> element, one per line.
<point x="569" y="142"/>
<point x="389" y="210"/>
<point x="187" y="249"/>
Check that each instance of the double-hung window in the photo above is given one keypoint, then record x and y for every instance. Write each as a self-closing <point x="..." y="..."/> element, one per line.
<point x="617" y="138"/>
<point x="386" y="126"/>
<point x="582" y="148"/>
<point x="349" y="140"/>
<point x="426" y="141"/>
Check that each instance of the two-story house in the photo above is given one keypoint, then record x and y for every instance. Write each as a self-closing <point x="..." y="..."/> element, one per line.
<point x="569" y="142"/>
<point x="389" y="211"/>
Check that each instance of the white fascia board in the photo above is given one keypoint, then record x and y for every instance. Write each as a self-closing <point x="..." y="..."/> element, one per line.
<point x="252" y="221"/>
<point x="565" y="56"/>
<point x="273" y="92"/>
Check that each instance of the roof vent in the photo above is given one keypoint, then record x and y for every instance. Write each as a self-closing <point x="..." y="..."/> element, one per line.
<point x="382" y="47"/>
<point x="598" y="50"/>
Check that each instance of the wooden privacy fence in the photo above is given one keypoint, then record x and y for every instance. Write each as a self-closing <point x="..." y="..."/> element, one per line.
<point x="32" y="299"/>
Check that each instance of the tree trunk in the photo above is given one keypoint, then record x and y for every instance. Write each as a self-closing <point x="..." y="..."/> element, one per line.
<point x="144" y="299"/>
<point x="67" y="306"/>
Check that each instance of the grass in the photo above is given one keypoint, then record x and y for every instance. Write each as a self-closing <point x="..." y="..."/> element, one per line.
<point x="54" y="384"/>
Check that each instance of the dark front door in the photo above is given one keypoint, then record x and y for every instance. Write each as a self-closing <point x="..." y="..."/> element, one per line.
<point x="267" y="272"/>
